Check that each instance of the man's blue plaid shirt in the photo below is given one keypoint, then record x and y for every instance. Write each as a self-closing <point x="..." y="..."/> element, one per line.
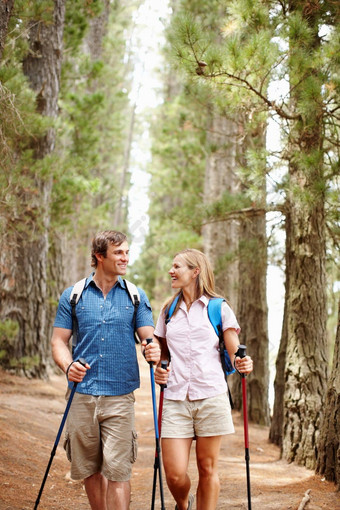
<point x="106" y="336"/>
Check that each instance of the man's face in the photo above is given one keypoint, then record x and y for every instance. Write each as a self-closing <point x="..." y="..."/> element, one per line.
<point x="116" y="260"/>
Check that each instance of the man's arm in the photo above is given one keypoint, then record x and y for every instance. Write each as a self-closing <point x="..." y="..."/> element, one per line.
<point x="62" y="355"/>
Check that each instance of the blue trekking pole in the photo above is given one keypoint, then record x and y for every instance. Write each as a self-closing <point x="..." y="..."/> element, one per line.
<point x="157" y="466"/>
<point x="241" y="353"/>
<point x="158" y="448"/>
<point x="83" y="362"/>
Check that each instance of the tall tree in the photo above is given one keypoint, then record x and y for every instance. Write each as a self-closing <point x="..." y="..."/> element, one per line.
<point x="306" y="356"/>
<point x="25" y="296"/>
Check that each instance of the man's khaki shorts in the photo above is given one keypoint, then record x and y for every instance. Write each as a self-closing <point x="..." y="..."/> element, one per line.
<point x="201" y="418"/>
<point x="100" y="436"/>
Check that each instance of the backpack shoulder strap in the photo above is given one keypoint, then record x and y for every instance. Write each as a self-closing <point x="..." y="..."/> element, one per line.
<point x="133" y="292"/>
<point x="77" y="291"/>
<point x="170" y="310"/>
<point x="74" y="298"/>
<point x="215" y="314"/>
<point x="215" y="317"/>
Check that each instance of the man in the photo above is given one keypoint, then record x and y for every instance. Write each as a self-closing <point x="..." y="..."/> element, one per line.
<point x="100" y="437"/>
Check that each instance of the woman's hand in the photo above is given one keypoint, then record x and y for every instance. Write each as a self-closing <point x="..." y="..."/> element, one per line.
<point x="244" y="365"/>
<point x="162" y="375"/>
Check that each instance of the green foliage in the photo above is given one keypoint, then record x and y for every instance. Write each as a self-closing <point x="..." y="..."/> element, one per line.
<point x="9" y="330"/>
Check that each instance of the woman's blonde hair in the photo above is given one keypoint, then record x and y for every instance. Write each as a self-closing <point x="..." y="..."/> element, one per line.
<point x="205" y="281"/>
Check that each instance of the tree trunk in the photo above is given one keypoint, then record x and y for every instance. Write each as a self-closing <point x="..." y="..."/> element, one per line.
<point x="276" y="427"/>
<point x="306" y="360"/>
<point x="25" y="296"/>
<point x="6" y="7"/>
<point x="221" y="237"/>
<point x="252" y="310"/>
<point x="328" y="452"/>
<point x="252" y="314"/>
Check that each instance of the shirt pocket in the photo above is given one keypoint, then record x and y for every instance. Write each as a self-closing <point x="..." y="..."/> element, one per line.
<point x="123" y="313"/>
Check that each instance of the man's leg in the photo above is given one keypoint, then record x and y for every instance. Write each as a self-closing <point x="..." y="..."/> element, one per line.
<point x="96" y="489"/>
<point x="176" y="454"/>
<point x="118" y="495"/>
<point x="207" y="452"/>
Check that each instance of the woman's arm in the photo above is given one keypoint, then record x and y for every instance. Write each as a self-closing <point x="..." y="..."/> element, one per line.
<point x="231" y="342"/>
<point x="161" y="375"/>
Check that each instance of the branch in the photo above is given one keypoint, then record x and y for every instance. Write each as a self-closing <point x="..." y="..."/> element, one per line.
<point x="305" y="500"/>
<point x="246" y="212"/>
<point x="271" y="104"/>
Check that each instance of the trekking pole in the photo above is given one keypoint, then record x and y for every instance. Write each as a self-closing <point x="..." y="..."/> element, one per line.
<point x="241" y="353"/>
<point x="157" y="465"/>
<point x="83" y="362"/>
<point x="158" y="448"/>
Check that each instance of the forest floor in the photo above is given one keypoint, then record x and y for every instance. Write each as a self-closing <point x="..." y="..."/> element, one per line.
<point x="30" y="416"/>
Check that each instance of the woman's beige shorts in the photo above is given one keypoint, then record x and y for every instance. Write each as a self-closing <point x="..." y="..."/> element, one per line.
<point x="201" y="418"/>
<point x="100" y="436"/>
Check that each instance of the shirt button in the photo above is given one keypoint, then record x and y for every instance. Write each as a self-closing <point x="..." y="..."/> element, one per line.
<point x="104" y="322"/>
<point x="101" y="355"/>
<point x="102" y="339"/>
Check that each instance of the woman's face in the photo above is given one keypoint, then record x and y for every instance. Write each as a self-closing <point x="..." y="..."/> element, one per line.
<point x="181" y="275"/>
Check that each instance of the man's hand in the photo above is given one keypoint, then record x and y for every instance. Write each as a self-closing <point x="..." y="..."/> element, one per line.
<point x="76" y="371"/>
<point x="151" y="351"/>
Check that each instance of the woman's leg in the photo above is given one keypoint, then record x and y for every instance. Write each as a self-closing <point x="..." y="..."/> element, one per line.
<point x="207" y="452"/>
<point x="176" y="454"/>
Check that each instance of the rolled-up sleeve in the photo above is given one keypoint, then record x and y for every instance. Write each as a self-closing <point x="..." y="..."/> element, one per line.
<point x="228" y="318"/>
<point x="144" y="313"/>
<point x="64" y="315"/>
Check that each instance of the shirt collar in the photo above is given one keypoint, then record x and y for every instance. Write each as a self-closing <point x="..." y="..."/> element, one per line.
<point x="90" y="279"/>
<point x="204" y="299"/>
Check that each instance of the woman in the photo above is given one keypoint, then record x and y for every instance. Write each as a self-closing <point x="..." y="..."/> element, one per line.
<point x="196" y="403"/>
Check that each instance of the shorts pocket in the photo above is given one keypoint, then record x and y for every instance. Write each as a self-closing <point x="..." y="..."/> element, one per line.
<point x="134" y="447"/>
<point x="67" y="446"/>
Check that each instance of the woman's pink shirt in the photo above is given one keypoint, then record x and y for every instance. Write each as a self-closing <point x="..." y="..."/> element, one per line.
<point x="196" y="370"/>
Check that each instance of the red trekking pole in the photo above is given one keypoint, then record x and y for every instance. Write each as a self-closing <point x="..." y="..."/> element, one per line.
<point x="241" y="353"/>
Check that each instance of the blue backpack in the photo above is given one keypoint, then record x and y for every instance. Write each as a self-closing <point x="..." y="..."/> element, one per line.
<point x="215" y="317"/>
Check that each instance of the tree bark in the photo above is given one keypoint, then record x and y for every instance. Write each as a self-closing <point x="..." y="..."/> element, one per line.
<point x="6" y="7"/>
<point x="252" y="314"/>
<point x="328" y="451"/>
<point x="276" y="426"/>
<point x="221" y="238"/>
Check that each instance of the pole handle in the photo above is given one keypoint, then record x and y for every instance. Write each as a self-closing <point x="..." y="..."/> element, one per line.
<point x="241" y="351"/>
<point x="149" y="341"/>
<point x="164" y="366"/>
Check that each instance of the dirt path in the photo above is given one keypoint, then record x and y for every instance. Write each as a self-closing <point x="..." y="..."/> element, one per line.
<point x="30" y="416"/>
